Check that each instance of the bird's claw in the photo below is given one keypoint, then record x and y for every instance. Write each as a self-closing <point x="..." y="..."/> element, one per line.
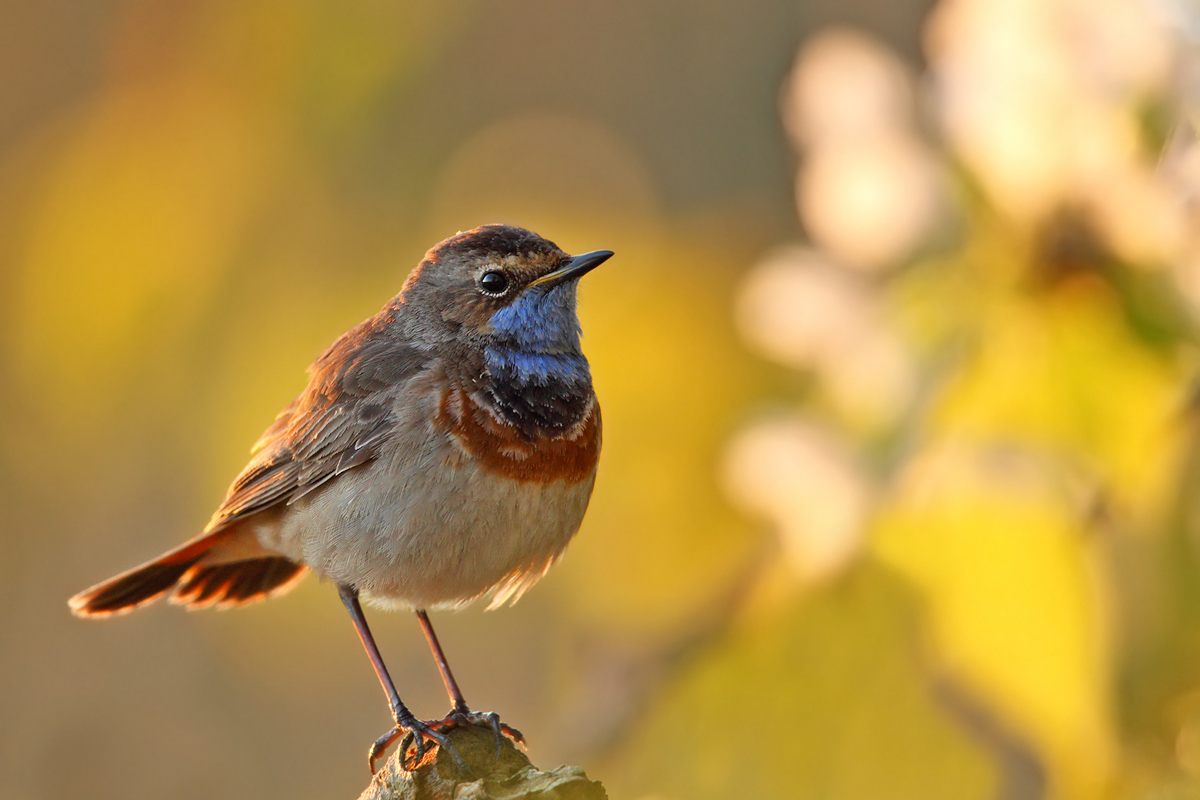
<point x="465" y="717"/>
<point x="415" y="734"/>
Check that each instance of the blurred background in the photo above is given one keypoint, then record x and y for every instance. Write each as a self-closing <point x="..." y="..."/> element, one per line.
<point x="898" y="358"/>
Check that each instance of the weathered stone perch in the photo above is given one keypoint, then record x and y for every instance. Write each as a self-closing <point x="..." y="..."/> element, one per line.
<point x="509" y="777"/>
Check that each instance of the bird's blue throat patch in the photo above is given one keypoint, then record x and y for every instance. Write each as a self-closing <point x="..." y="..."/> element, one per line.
<point x="537" y="340"/>
<point x="538" y="369"/>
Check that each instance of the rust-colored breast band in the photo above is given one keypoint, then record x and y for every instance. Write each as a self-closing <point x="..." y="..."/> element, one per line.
<point x="501" y="450"/>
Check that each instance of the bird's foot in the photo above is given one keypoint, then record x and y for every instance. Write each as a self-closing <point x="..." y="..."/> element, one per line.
<point x="466" y="717"/>
<point x="415" y="745"/>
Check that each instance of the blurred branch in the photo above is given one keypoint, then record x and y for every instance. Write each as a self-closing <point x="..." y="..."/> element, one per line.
<point x="508" y="775"/>
<point x="1022" y="773"/>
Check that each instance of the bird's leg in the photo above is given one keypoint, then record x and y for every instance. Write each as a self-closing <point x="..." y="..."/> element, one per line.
<point x="460" y="714"/>
<point x="405" y="721"/>
<point x="456" y="697"/>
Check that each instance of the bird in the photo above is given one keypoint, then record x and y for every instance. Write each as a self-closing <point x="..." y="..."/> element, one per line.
<point x="443" y="451"/>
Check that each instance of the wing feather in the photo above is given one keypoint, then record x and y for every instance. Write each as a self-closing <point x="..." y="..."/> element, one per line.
<point x="340" y="421"/>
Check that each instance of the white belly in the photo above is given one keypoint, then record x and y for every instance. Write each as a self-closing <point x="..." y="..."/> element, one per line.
<point x="424" y="526"/>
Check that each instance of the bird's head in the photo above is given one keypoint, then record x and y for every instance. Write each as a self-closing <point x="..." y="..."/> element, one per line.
<point x="499" y="286"/>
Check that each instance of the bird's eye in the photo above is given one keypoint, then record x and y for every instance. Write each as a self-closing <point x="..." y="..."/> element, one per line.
<point x="493" y="283"/>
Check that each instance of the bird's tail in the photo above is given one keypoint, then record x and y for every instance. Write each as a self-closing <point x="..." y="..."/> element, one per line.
<point x="196" y="576"/>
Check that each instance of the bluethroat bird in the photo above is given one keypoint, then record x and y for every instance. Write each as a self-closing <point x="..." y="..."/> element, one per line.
<point x="444" y="450"/>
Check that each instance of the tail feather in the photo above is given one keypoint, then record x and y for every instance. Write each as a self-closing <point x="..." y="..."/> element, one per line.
<point x="236" y="583"/>
<point x="195" y="584"/>
<point x="130" y="590"/>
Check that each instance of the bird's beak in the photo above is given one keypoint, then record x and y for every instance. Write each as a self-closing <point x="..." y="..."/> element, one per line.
<point x="577" y="267"/>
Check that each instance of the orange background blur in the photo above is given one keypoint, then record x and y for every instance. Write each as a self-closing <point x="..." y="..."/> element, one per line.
<point x="897" y="360"/>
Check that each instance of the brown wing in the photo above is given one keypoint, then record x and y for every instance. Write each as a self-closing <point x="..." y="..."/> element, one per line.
<point x="340" y="421"/>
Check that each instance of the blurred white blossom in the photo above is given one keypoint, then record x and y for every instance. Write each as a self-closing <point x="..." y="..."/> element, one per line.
<point x="869" y="202"/>
<point x="868" y="190"/>
<point x="1040" y="97"/>
<point x="845" y="85"/>
<point x="799" y="309"/>
<point x="802" y="480"/>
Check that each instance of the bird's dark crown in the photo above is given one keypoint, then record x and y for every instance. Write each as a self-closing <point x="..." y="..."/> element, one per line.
<point x="496" y="242"/>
